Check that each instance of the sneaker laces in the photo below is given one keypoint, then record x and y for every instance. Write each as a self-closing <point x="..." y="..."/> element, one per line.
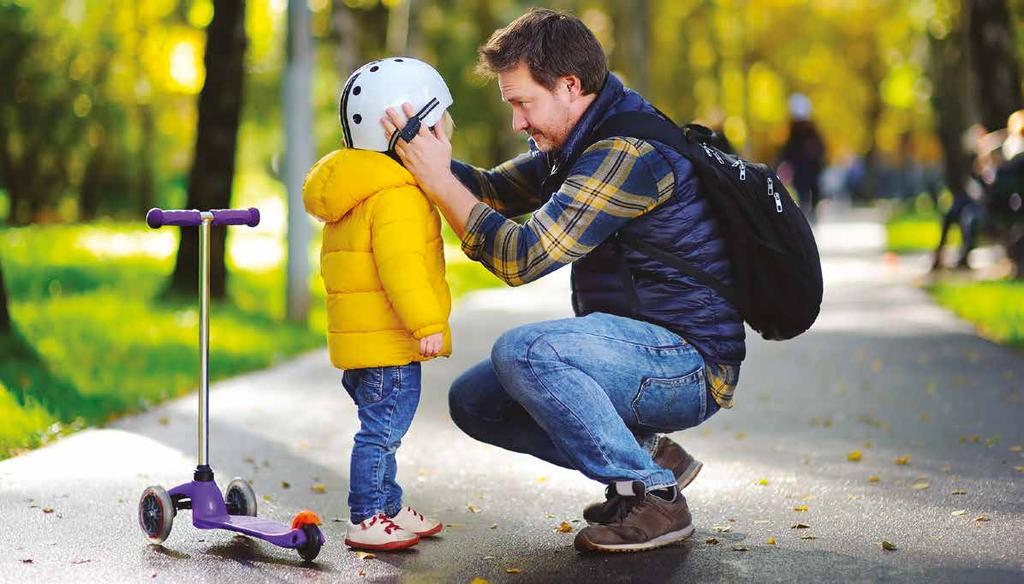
<point x="416" y="513"/>
<point x="389" y="525"/>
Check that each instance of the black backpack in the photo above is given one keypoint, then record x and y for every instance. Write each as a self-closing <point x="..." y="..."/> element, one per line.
<point x="777" y="271"/>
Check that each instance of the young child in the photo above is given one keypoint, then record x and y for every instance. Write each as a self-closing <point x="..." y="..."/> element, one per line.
<point x="382" y="262"/>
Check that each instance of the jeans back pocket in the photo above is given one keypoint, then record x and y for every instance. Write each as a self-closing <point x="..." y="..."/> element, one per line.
<point x="365" y="386"/>
<point x="670" y="404"/>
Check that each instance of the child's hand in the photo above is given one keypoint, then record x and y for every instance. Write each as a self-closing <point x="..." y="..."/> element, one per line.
<point x="431" y="345"/>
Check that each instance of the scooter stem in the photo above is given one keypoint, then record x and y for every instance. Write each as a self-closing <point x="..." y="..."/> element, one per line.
<point x="204" y="339"/>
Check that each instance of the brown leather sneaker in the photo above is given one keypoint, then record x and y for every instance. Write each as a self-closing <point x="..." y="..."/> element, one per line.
<point x="667" y="454"/>
<point x="645" y="523"/>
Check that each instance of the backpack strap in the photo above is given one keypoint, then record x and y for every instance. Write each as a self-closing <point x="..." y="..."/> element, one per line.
<point x="659" y="127"/>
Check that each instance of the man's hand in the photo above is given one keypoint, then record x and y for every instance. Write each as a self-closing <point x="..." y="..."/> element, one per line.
<point x="431" y="345"/>
<point x="428" y="156"/>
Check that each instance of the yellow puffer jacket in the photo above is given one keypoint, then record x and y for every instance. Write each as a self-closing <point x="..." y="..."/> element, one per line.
<point x="382" y="260"/>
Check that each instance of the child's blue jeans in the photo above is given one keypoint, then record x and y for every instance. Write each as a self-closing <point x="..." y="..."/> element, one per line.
<point x="387" y="398"/>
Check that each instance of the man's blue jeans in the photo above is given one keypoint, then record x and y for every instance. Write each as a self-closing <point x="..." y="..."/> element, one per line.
<point x="387" y="398"/>
<point x="586" y="393"/>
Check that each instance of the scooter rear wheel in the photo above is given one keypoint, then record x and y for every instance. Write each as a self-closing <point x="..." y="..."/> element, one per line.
<point x="311" y="549"/>
<point x="239" y="498"/>
<point x="156" y="514"/>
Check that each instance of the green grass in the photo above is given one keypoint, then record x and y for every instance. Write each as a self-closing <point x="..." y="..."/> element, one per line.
<point x="94" y="339"/>
<point x="996" y="308"/>
<point x="916" y="224"/>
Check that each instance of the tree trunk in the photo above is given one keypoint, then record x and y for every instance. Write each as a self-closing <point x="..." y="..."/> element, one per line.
<point x="948" y="68"/>
<point x="213" y="169"/>
<point x="346" y="57"/>
<point x="298" y="156"/>
<point x="993" y="60"/>
<point x="5" y="315"/>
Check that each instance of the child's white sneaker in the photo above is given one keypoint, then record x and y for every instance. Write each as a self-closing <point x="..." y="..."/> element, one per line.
<point x="379" y="533"/>
<point x="412" y="520"/>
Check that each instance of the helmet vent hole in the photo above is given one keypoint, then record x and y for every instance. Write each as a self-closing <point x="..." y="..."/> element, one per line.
<point x="374" y="69"/>
<point x="399" y="60"/>
<point x="357" y="118"/>
<point x="357" y="90"/>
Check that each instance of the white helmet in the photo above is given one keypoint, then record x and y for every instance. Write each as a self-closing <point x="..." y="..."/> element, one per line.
<point x="385" y="83"/>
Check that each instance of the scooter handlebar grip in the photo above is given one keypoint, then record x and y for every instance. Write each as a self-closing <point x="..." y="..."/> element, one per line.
<point x="157" y="218"/>
<point x="250" y="216"/>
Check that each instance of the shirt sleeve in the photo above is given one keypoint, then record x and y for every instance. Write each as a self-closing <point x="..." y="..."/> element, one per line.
<point x="512" y="188"/>
<point x="613" y="182"/>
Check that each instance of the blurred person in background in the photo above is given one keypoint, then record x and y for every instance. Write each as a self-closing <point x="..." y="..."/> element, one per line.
<point x="1004" y="194"/>
<point x="803" y="155"/>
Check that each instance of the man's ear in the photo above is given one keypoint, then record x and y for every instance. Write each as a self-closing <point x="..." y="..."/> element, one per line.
<point x="573" y="86"/>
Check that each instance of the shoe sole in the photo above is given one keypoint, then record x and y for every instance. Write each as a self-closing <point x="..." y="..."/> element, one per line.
<point x="689" y="473"/>
<point x="585" y="545"/>
<point x="382" y="547"/>
<point x="432" y="531"/>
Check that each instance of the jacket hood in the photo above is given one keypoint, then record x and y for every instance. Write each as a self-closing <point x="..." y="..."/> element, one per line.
<point x="345" y="178"/>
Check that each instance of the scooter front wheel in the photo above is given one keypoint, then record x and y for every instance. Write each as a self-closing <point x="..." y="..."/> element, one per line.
<point x="239" y="498"/>
<point x="156" y="514"/>
<point x="311" y="549"/>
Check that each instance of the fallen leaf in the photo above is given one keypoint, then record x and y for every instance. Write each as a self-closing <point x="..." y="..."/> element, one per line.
<point x="479" y="581"/>
<point x="1016" y="448"/>
<point x="319" y="488"/>
<point x="266" y="498"/>
<point x="495" y="526"/>
<point x="285" y="485"/>
<point x="959" y="512"/>
<point x="29" y="561"/>
<point x="249" y="459"/>
<point x="711" y="541"/>
<point x="808" y="537"/>
<point x="741" y="435"/>
<point x="868" y="445"/>
<point x="47" y="509"/>
<point x="564" y="528"/>
<point x="799" y="526"/>
<point x="365" y="555"/>
<point x="924" y="416"/>
<point x="1019" y="468"/>
<point x="512" y="571"/>
<point x="854" y="456"/>
<point x="800" y="508"/>
<point x="982" y="518"/>
<point x="887" y="546"/>
<point x="771" y="540"/>
<point x="921" y="486"/>
<point x="763" y="482"/>
<point x="541" y="479"/>
<point x="874" y="479"/>
<point x="723" y="528"/>
<point x="739" y="548"/>
<point x="992" y="441"/>
<point x="958" y="492"/>
<point x="164" y="421"/>
<point x="473" y="508"/>
<point x="903" y="460"/>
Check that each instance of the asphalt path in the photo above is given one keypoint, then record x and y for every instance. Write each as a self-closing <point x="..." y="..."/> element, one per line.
<point x="884" y="376"/>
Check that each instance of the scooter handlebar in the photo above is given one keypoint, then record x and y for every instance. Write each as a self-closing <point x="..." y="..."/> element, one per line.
<point x="157" y="218"/>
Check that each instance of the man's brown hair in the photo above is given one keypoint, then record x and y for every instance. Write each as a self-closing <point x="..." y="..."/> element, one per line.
<point x="552" y="43"/>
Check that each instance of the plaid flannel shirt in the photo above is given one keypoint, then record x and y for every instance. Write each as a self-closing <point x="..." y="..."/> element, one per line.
<point x="611" y="183"/>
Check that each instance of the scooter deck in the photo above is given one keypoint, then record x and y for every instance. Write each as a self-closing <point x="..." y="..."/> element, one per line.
<point x="271" y="531"/>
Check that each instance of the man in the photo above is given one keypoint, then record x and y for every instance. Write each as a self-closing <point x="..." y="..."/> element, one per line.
<point x="651" y="350"/>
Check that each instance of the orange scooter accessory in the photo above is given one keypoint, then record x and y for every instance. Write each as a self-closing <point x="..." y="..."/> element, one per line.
<point x="305" y="517"/>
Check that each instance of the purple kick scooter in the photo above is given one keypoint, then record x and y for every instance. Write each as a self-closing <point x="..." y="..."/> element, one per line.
<point x="236" y="509"/>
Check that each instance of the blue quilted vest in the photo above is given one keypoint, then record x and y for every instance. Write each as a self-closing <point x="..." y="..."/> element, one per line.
<point x="618" y="280"/>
